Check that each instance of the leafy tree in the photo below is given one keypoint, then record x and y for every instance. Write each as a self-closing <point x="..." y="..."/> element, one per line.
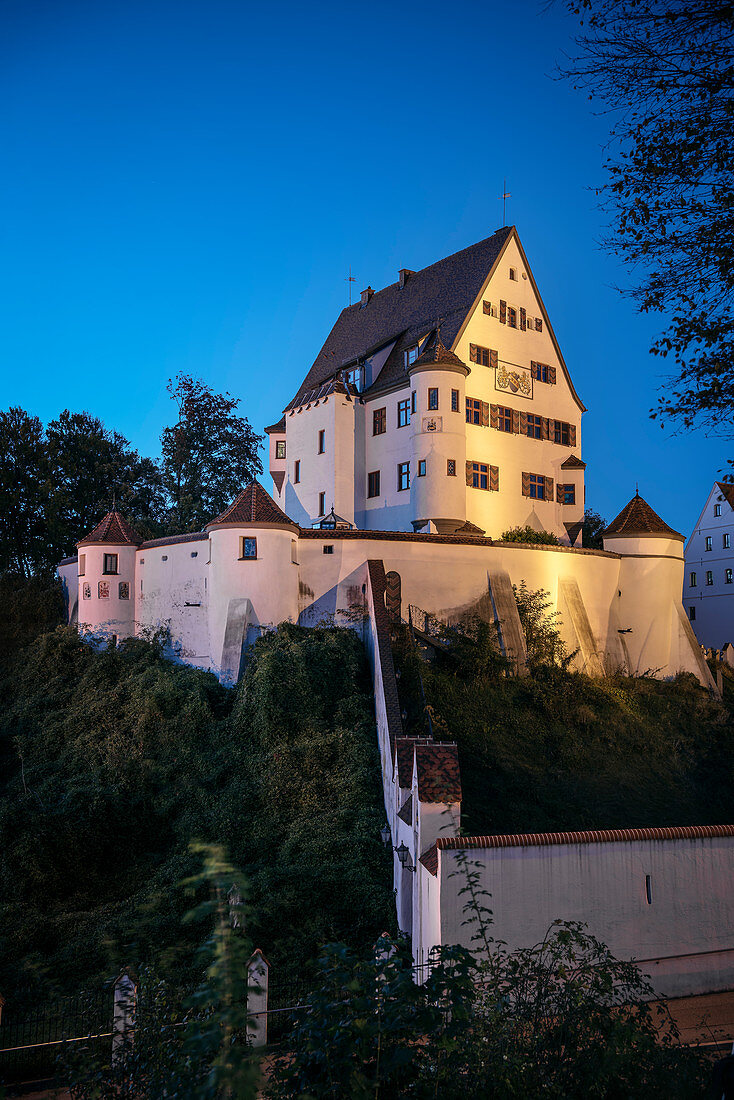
<point x="592" y="530"/>
<point x="664" y="71"/>
<point x="31" y="606"/>
<point x="23" y="493"/>
<point x="530" y="535"/>
<point x="541" y="627"/>
<point x="208" y="454"/>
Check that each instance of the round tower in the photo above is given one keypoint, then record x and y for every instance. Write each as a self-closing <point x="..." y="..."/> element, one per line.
<point x="438" y="437"/>
<point x="106" y="567"/>
<point x="253" y="576"/>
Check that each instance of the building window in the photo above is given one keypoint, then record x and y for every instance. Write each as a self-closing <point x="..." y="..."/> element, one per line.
<point x="355" y="377"/>
<point x="454" y="401"/>
<point x="567" y="494"/>
<point x="82" y="564"/>
<point x="248" y="548"/>
<point x="512" y="317"/>
<point x="717" y="509"/>
<point x="410" y="356"/>
<point x="379" y="421"/>
<point x="535" y="426"/>
<point x="540" y="371"/>
<point x="123" y="590"/>
<point x="709" y="577"/>
<point x="412" y="402"/>
<point x="482" y="357"/>
<point x="103" y="590"/>
<point x="504" y="418"/>
<point x="451" y="467"/>
<point x="648" y="889"/>
<point x="296" y="471"/>
<point x="727" y="576"/>
<point x="328" y="549"/>
<point x="479" y="475"/>
<point x="403" y="476"/>
<point x="432" y="397"/>
<point x="403" y="413"/>
<point x="692" y="613"/>
<point x="726" y="541"/>
<point x="709" y="542"/>
<point x="693" y="580"/>
<point x="322" y="441"/>
<point x="421" y="467"/>
<point x="373" y="484"/>
<point x="280" y="449"/>
<point x="87" y="590"/>
<point x="473" y="411"/>
<point x="561" y="432"/>
<point x="537" y="486"/>
<point x="110" y="563"/>
<point x="322" y="504"/>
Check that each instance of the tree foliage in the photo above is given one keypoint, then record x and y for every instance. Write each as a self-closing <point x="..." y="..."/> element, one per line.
<point x="208" y="454"/>
<point x="529" y="534"/>
<point x="592" y="530"/>
<point x="664" y="71"/>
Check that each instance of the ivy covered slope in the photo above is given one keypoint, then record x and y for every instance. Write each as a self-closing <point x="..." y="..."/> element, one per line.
<point x="111" y="762"/>
<point x="558" y="750"/>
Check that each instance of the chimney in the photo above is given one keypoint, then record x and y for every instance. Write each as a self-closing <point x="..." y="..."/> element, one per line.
<point x="366" y="295"/>
<point x="405" y="274"/>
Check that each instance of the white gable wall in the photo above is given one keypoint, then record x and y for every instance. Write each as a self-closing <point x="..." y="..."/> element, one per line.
<point x="713" y="604"/>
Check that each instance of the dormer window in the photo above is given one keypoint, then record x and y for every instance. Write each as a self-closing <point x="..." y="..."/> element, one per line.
<point x="410" y="356"/>
<point x="355" y="377"/>
<point x="110" y="564"/>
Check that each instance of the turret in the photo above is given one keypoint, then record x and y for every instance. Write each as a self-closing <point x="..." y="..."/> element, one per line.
<point x="253" y="575"/>
<point x="107" y="577"/>
<point x="438" y="460"/>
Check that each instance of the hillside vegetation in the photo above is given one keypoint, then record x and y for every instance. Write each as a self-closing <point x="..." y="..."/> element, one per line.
<point x="112" y="761"/>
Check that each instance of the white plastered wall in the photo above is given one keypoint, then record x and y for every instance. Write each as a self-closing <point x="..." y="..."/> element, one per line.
<point x="110" y="615"/>
<point x="713" y="604"/>
<point x="172" y="594"/>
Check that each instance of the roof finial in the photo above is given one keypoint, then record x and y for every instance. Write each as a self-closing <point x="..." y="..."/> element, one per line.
<point x="637" y="488"/>
<point x="505" y="196"/>
<point x="349" y="280"/>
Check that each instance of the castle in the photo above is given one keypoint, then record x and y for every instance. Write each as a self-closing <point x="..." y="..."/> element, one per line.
<point x="439" y="414"/>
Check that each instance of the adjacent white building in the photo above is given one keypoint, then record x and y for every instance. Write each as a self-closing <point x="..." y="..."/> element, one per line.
<point x="708" y="585"/>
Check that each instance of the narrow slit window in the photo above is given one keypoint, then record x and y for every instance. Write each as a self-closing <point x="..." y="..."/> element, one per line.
<point x="648" y="889"/>
<point x="322" y="503"/>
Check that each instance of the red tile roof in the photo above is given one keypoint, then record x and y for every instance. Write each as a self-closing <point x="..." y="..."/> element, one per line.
<point x="587" y="836"/>
<point x="638" y="518"/>
<point x="113" y="529"/>
<point x="728" y="490"/>
<point x="429" y="859"/>
<point x="573" y="463"/>
<point x="439" y="777"/>
<point x="438" y="355"/>
<point x="253" y="505"/>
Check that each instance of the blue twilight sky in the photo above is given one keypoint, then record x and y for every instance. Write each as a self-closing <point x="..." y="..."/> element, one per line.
<point x="184" y="185"/>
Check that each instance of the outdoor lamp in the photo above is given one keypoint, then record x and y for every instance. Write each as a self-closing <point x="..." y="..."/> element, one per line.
<point x="403" y="854"/>
<point x="385" y="834"/>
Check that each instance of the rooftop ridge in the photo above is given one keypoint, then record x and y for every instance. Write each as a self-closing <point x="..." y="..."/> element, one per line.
<point x="587" y="836"/>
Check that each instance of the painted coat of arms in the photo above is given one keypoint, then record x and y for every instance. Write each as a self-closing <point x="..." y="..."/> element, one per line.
<point x="517" y="380"/>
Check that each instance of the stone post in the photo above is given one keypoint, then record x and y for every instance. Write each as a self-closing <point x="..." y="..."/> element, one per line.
<point x="257" y="998"/>
<point x="123" y="1017"/>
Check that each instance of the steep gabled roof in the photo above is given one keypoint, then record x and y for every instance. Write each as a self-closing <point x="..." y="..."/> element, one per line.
<point x="573" y="462"/>
<point x="113" y="529"/>
<point x="445" y="290"/>
<point x="253" y="505"/>
<point x="276" y="429"/>
<point x="437" y="768"/>
<point x="638" y="518"/>
<point x="727" y="490"/>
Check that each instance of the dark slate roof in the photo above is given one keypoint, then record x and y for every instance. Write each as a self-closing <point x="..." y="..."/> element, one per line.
<point x="276" y="429"/>
<point x="436" y="354"/>
<point x="253" y="505"/>
<point x="171" y="540"/>
<point x="113" y="529"/>
<point x="313" y="396"/>
<point x="439" y="778"/>
<point x="445" y="290"/>
<point x="68" y="561"/>
<point x="573" y="463"/>
<point x="638" y="518"/>
<point x="728" y="491"/>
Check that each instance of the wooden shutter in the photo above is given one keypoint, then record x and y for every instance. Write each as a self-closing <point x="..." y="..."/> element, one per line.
<point x="538" y="324"/>
<point x="487" y="307"/>
<point x="492" y="358"/>
<point x="572" y="435"/>
<point x="552" y="375"/>
<point x="494" y="478"/>
<point x="523" y="319"/>
<point x="523" y="423"/>
<point x="515" y="421"/>
<point x="545" y="427"/>
<point x="485" y="414"/>
<point x="549" y="488"/>
<point x="525" y="484"/>
<point x="469" y="473"/>
<point x="494" y="416"/>
<point x="534" y="369"/>
<point x="559" y="493"/>
<point x="473" y="353"/>
<point x="503" y="312"/>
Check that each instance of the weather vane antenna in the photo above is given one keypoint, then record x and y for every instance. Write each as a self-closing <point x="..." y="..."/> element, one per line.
<point x="505" y="196"/>
<point x="349" y="280"/>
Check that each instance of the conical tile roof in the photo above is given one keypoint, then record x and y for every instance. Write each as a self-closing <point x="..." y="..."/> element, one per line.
<point x="253" y="505"/>
<point x="638" y="518"/>
<point x="438" y="355"/>
<point x="113" y="529"/>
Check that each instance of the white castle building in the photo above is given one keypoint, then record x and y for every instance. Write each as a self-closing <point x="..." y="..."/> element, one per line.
<point x="708" y="587"/>
<point x="438" y="414"/>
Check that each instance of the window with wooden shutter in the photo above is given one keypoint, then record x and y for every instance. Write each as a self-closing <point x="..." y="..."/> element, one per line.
<point x="523" y="319"/>
<point x="473" y="353"/>
<point x="538" y="324"/>
<point x="525" y="484"/>
<point x="552" y="375"/>
<point x="469" y="473"/>
<point x="559" y="493"/>
<point x="549" y="488"/>
<point x="485" y="414"/>
<point x="515" y="421"/>
<point x="546" y="428"/>
<point x="487" y="308"/>
<point x="494" y="479"/>
<point x="572" y="435"/>
<point x="494" y="416"/>
<point x="523" y="423"/>
<point x="503" y="312"/>
<point x="492" y="358"/>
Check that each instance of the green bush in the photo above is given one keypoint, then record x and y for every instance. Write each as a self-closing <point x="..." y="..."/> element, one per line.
<point x="528" y="534"/>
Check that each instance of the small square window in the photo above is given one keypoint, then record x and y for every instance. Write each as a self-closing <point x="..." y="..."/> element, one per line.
<point x="322" y="441"/>
<point x="432" y="398"/>
<point x="373" y="484"/>
<point x="82" y="564"/>
<point x="693" y="579"/>
<point x="296" y="471"/>
<point x="110" y="563"/>
<point x="717" y="509"/>
<point x="709" y="542"/>
<point x="328" y="549"/>
<point x="692" y="613"/>
<point x="280" y="448"/>
<point x="454" y="401"/>
<point x="248" y="548"/>
<point x="513" y="274"/>
<point x="421" y="467"/>
<point x="451" y="467"/>
<point x="726" y="541"/>
<point x="379" y="421"/>
<point x="322" y="504"/>
<point x="709" y="576"/>
<point x="403" y="476"/>
<point x="567" y="494"/>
